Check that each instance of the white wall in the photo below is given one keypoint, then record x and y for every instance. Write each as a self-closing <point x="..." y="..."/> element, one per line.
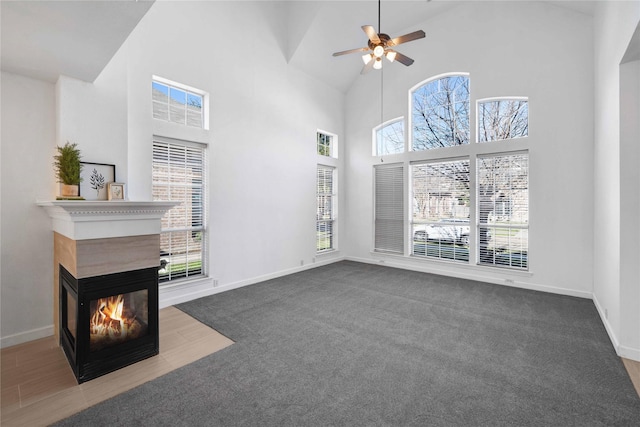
<point x="262" y="147"/>
<point x="614" y="24"/>
<point x="28" y="141"/>
<point x="536" y="50"/>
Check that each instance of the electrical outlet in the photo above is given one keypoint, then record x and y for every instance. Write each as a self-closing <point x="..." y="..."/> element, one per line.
<point x="215" y="282"/>
<point x="508" y="281"/>
<point x="301" y="262"/>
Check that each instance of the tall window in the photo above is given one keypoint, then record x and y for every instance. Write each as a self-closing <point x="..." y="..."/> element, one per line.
<point x="389" y="138"/>
<point x="503" y="210"/>
<point x="502" y="119"/>
<point x="441" y="207"/>
<point x="389" y="208"/>
<point x="179" y="175"/>
<point x="176" y="104"/>
<point x="326" y="208"/>
<point x="440" y="113"/>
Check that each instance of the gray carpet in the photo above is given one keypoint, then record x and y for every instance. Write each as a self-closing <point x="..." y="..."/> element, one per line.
<point x="361" y="345"/>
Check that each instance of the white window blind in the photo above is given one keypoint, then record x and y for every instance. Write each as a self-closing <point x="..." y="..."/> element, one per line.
<point x="179" y="175"/>
<point x="389" y="208"/>
<point x="503" y="210"/>
<point x="326" y="208"/>
<point x="441" y="207"/>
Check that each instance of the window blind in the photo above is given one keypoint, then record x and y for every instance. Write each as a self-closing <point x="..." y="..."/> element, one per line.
<point x="503" y="210"/>
<point x="179" y="175"/>
<point x="389" y="208"/>
<point x="325" y="213"/>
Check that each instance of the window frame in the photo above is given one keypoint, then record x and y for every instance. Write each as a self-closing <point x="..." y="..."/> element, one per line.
<point x="202" y="212"/>
<point x="411" y="124"/>
<point x="498" y="99"/>
<point x="332" y="221"/>
<point x="452" y="242"/>
<point x="188" y="90"/>
<point x="333" y="144"/>
<point x="376" y="143"/>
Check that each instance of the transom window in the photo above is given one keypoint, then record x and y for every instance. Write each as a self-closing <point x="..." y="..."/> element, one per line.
<point x="176" y="104"/>
<point x="389" y="137"/>
<point x="326" y="144"/>
<point x="502" y="119"/>
<point x="440" y="113"/>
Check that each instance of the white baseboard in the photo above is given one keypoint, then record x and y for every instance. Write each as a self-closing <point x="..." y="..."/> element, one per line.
<point x="607" y="325"/>
<point x="22" y="337"/>
<point x="205" y="287"/>
<point x="398" y="263"/>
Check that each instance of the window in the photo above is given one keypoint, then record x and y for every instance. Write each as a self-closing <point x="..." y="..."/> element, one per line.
<point x="326" y="209"/>
<point x="502" y="119"/>
<point x="389" y="138"/>
<point x="503" y="210"/>
<point x="179" y="175"/>
<point x="389" y="208"/>
<point x="175" y="104"/>
<point x="440" y="113"/>
<point x="326" y="144"/>
<point x="441" y="207"/>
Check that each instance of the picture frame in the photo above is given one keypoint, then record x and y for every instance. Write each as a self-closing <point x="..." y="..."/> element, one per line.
<point x="115" y="191"/>
<point x="95" y="178"/>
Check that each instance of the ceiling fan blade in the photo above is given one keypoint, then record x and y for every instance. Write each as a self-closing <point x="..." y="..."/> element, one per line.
<point x="346" y="52"/>
<point x="403" y="59"/>
<point x="406" y="38"/>
<point x="367" y="67"/>
<point x="371" y="33"/>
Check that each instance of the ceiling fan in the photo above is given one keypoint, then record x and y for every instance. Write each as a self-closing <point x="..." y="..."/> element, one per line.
<point x="380" y="45"/>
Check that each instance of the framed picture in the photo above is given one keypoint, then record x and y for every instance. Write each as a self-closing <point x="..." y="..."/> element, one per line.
<point x="115" y="191"/>
<point x="95" y="177"/>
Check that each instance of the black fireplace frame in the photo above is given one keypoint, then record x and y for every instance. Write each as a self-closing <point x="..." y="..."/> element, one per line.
<point x="88" y="365"/>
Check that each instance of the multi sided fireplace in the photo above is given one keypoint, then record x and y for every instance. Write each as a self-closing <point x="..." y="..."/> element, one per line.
<point x="109" y="321"/>
<point x="105" y="282"/>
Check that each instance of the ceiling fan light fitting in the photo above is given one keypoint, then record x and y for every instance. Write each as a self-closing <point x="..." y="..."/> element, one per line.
<point x="391" y="55"/>
<point x="378" y="51"/>
<point x="378" y="64"/>
<point x="366" y="58"/>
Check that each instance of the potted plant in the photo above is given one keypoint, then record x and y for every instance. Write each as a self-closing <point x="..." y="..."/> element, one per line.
<point x="67" y="166"/>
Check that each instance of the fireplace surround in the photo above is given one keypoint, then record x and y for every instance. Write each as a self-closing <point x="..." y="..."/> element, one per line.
<point x="105" y="284"/>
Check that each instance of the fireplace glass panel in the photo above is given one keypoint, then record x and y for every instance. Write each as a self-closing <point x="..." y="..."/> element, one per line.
<point x="117" y="319"/>
<point x="72" y="315"/>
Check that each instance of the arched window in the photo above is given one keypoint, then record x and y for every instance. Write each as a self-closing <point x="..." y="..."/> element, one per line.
<point x="440" y="113"/>
<point x="389" y="137"/>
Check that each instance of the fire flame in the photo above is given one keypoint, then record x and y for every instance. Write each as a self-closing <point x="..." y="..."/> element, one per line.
<point x="108" y="319"/>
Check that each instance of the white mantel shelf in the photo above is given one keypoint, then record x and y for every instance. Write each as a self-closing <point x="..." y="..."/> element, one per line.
<point x="82" y="220"/>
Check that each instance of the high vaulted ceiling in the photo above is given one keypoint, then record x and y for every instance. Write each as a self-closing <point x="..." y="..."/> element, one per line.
<point x="44" y="39"/>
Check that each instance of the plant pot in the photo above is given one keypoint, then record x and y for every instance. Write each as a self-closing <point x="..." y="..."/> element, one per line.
<point x="69" y="190"/>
